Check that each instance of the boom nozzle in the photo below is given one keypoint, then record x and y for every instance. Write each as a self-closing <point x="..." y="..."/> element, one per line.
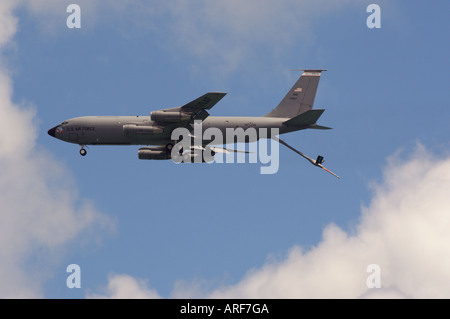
<point x="318" y="162"/>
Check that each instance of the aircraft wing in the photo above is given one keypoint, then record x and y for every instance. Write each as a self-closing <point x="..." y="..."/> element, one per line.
<point x="186" y="114"/>
<point x="197" y="108"/>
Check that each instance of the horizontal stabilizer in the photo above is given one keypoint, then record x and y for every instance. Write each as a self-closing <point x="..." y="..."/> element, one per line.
<point x="308" y="118"/>
<point x="320" y="127"/>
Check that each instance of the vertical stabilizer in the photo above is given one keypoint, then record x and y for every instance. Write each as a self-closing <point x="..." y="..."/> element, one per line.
<point x="300" y="97"/>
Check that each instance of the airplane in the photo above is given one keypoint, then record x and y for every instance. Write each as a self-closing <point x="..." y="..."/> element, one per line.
<point x="295" y="112"/>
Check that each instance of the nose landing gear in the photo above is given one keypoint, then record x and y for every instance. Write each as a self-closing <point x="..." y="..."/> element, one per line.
<point x="83" y="151"/>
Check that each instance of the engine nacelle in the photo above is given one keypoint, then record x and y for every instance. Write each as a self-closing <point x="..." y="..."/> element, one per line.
<point x="153" y="153"/>
<point x="163" y="116"/>
<point x="131" y="129"/>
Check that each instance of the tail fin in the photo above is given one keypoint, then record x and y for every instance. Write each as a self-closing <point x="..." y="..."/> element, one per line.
<point x="300" y="98"/>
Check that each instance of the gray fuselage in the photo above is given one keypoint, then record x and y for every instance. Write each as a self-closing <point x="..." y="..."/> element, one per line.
<point x="109" y="130"/>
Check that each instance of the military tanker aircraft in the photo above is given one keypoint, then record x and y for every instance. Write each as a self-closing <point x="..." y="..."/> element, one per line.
<point x="295" y="112"/>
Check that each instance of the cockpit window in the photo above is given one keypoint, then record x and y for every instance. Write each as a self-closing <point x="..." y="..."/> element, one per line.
<point x="64" y="123"/>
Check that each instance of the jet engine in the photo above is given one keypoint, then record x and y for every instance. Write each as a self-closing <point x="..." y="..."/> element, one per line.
<point x="163" y="116"/>
<point x="161" y="153"/>
<point x="155" y="153"/>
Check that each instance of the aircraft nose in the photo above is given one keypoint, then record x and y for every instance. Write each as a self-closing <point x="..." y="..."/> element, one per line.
<point x="52" y="131"/>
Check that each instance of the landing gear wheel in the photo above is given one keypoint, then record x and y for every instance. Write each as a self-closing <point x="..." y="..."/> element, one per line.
<point x="83" y="152"/>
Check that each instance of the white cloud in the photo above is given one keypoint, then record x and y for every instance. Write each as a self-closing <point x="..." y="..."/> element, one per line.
<point x="224" y="35"/>
<point x="228" y="34"/>
<point x="404" y="230"/>
<point x="384" y="293"/>
<point x="8" y="23"/>
<point x="40" y="209"/>
<point x="126" y="287"/>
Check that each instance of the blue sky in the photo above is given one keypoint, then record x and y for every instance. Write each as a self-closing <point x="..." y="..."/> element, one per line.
<point x="160" y="229"/>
